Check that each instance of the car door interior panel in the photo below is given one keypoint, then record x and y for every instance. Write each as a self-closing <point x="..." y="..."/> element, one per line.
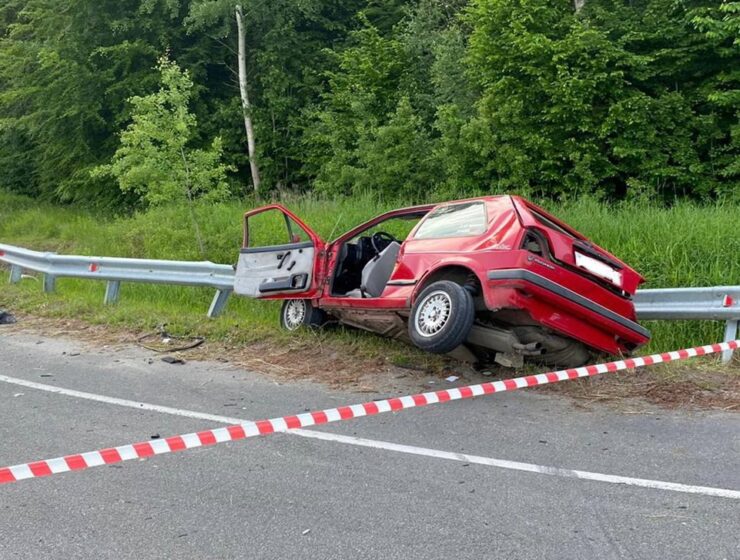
<point x="262" y="271"/>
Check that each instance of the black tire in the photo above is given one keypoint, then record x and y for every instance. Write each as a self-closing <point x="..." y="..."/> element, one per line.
<point x="428" y="326"/>
<point x="300" y="313"/>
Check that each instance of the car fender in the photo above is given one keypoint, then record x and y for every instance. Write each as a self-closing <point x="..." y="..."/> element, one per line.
<point x="449" y="262"/>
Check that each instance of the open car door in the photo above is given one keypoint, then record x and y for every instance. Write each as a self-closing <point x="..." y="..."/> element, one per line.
<point x="280" y="255"/>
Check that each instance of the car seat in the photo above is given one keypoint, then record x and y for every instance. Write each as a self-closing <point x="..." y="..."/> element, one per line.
<point x="377" y="272"/>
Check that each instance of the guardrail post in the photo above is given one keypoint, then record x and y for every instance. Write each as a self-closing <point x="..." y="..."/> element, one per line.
<point x="112" y="288"/>
<point x="730" y="334"/>
<point x="15" y="274"/>
<point x="218" y="303"/>
<point x="50" y="283"/>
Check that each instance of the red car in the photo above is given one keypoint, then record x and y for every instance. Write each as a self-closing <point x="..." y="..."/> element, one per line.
<point x="494" y="277"/>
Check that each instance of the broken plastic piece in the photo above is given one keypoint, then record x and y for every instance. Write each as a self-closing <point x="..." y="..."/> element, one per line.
<point x="6" y="318"/>
<point x="173" y="360"/>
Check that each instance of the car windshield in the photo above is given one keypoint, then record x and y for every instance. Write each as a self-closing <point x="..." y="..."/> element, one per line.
<point x="455" y="220"/>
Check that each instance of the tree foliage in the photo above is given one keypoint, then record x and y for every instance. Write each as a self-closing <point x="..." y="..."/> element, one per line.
<point x="623" y="99"/>
<point x="154" y="160"/>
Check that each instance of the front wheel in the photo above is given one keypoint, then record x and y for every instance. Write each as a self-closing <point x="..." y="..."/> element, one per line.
<point x="441" y="317"/>
<point x="300" y="313"/>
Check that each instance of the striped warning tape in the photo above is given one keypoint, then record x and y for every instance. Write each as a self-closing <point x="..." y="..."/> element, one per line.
<point x="274" y="425"/>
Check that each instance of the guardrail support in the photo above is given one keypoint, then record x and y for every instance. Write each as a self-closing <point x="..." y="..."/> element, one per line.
<point x="50" y="283"/>
<point x="218" y="303"/>
<point x="112" y="289"/>
<point x="15" y="274"/>
<point x="730" y="334"/>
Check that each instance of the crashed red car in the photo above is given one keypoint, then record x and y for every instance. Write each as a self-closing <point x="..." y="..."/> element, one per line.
<point x="494" y="277"/>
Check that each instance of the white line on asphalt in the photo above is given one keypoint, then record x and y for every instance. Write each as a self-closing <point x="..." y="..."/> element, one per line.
<point x="389" y="446"/>
<point x="517" y="466"/>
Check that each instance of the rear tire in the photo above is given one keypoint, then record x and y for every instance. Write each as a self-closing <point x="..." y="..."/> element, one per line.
<point x="300" y="313"/>
<point x="441" y="317"/>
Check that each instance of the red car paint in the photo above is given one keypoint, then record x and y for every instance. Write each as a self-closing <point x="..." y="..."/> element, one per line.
<point x="549" y="287"/>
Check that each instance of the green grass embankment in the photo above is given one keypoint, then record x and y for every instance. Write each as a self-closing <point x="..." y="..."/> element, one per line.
<point x="686" y="245"/>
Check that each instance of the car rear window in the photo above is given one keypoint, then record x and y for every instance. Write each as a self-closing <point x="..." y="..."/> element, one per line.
<point x="545" y="221"/>
<point x="456" y="220"/>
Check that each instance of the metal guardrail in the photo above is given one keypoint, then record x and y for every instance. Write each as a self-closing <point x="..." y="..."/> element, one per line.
<point x="720" y="303"/>
<point x="116" y="270"/>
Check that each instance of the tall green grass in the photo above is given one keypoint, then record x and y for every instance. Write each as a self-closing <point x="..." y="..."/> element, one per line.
<point x="685" y="245"/>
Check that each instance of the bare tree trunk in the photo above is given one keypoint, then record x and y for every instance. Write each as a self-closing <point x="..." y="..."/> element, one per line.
<point x="246" y="107"/>
<point x="578" y="4"/>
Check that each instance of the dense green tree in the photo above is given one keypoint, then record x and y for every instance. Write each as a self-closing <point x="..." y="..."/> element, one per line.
<point x="155" y="160"/>
<point x="384" y="92"/>
<point x="287" y="44"/>
<point x="608" y="100"/>
<point x="620" y="98"/>
<point x="721" y="26"/>
<point x="66" y="69"/>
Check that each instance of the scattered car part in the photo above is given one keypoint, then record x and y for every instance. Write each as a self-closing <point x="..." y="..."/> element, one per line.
<point x="172" y="360"/>
<point x="165" y="339"/>
<point x="6" y="318"/>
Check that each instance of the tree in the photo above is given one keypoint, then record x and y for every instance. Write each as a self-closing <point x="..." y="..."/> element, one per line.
<point x="396" y="158"/>
<point x="382" y="101"/>
<point x="286" y="58"/>
<point x="66" y="70"/>
<point x="246" y="107"/>
<point x="154" y="159"/>
<point x="721" y="26"/>
<point x="607" y="101"/>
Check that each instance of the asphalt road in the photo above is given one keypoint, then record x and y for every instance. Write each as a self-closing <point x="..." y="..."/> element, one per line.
<point x="287" y="496"/>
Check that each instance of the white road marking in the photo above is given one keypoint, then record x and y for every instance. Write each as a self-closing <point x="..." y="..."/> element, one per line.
<point x="517" y="466"/>
<point x="384" y="445"/>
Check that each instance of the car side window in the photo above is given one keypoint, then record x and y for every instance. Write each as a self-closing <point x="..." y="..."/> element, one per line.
<point x="273" y="227"/>
<point x="399" y="227"/>
<point x="454" y="220"/>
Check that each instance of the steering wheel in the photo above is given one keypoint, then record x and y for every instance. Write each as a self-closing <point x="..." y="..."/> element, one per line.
<point x="381" y="239"/>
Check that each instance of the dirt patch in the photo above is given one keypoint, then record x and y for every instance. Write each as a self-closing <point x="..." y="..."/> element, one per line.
<point x="679" y="385"/>
<point x="697" y="385"/>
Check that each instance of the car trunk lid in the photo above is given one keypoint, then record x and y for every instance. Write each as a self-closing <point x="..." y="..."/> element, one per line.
<point x="573" y="249"/>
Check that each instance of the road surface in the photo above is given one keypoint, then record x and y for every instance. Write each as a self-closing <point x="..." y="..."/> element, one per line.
<point x="392" y="486"/>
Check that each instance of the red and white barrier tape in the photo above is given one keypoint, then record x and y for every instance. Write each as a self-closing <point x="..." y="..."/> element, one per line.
<point x="285" y="423"/>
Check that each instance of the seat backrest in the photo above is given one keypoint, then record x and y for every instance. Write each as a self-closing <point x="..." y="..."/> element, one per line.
<point x="376" y="273"/>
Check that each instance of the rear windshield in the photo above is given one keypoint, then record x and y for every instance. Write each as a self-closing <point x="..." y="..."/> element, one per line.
<point x="545" y="221"/>
<point x="456" y="220"/>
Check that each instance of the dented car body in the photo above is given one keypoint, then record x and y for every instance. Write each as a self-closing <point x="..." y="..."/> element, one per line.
<point x="487" y="278"/>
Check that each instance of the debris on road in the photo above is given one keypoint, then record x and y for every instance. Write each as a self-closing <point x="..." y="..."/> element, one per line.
<point x="173" y="360"/>
<point x="162" y="341"/>
<point x="452" y="378"/>
<point x="6" y="318"/>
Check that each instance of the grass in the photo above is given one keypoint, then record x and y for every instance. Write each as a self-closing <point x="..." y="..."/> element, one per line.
<point x="686" y="245"/>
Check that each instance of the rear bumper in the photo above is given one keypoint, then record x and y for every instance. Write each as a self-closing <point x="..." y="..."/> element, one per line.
<point x="565" y="310"/>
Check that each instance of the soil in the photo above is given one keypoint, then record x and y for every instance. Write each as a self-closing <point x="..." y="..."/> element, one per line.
<point x="696" y="385"/>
